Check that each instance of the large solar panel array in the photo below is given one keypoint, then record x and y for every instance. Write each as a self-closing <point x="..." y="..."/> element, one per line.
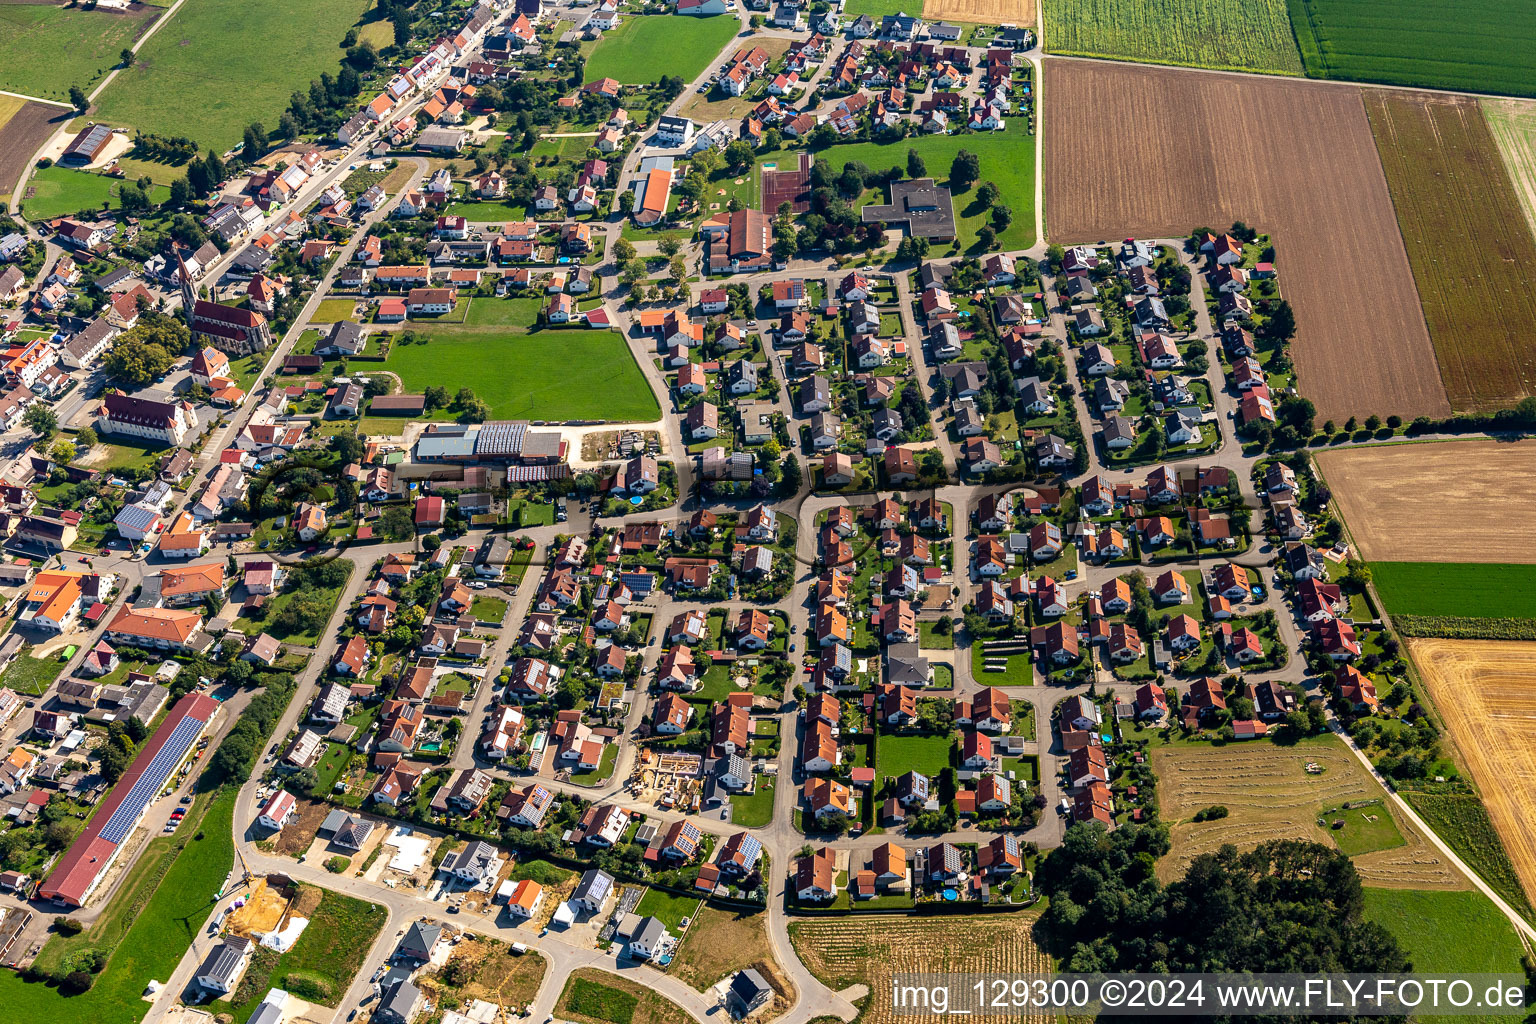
<point x="149" y="782"/>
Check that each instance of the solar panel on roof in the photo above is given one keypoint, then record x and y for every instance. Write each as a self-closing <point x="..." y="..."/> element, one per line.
<point x="155" y="775"/>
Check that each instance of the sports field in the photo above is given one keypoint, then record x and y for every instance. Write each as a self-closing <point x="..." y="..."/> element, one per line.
<point x="1452" y="501"/>
<point x="1236" y="35"/>
<point x="1007" y="158"/>
<point x="644" y="48"/>
<point x="1485" y="690"/>
<point x="1271" y="795"/>
<point x="1513" y="124"/>
<point x="56" y="191"/>
<point x="1467" y="242"/>
<point x="1460" y="590"/>
<point x="1470" y="45"/>
<point x="221" y="64"/>
<point x="46" y="48"/>
<point x="546" y="375"/>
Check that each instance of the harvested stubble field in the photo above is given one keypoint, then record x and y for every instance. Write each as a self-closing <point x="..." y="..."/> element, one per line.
<point x="1468" y="243"/>
<point x="1485" y="690"/>
<point x="865" y="950"/>
<point x="1361" y="345"/>
<point x="1271" y="796"/>
<point x="1513" y="124"/>
<point x="1454" y="501"/>
<point x="982" y="12"/>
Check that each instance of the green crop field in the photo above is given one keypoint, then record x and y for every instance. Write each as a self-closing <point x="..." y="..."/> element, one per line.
<point x="1237" y="35"/>
<point x="550" y="375"/>
<point x="1462" y="591"/>
<point x="56" y="191"/>
<point x="1472" y="45"/>
<point x="880" y="8"/>
<point x="45" y="49"/>
<point x="221" y="64"/>
<point x="1448" y="931"/>
<point x="646" y="47"/>
<point x="1007" y="158"/>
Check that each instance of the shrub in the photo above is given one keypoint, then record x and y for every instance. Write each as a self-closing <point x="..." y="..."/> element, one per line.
<point x="1213" y="813"/>
<point x="76" y="983"/>
<point x="336" y="865"/>
<point x="68" y="925"/>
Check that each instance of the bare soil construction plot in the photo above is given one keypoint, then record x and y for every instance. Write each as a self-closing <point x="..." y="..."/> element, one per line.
<point x="1271" y="795"/>
<point x="1467" y="240"/>
<point x="1486" y="692"/>
<point x="982" y="12"/>
<point x="1453" y="501"/>
<point x="1157" y="152"/>
<point x="866" y="950"/>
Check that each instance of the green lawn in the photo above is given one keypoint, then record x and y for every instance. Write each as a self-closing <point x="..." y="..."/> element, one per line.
<point x="201" y="77"/>
<point x="931" y="639"/>
<point x="604" y="770"/>
<point x="667" y="908"/>
<point x="592" y="999"/>
<point x="755" y="810"/>
<point x="488" y="609"/>
<point x="1360" y="833"/>
<point x="644" y="48"/>
<point x="1475" y="45"/>
<point x="541" y="871"/>
<point x="162" y="928"/>
<point x="32" y="676"/>
<point x="1448" y="932"/>
<point x="879" y="8"/>
<point x="58" y="191"/>
<point x="486" y="212"/>
<point x="1007" y="158"/>
<point x="896" y="755"/>
<point x="1462" y="590"/>
<point x="491" y="312"/>
<point x="124" y="454"/>
<point x="1238" y="35"/>
<point x="548" y="375"/>
<point x="45" y="49"/>
<point x="1020" y="671"/>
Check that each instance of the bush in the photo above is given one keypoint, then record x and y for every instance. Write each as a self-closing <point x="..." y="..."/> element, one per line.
<point x="76" y="982"/>
<point x="68" y="926"/>
<point x="1213" y="813"/>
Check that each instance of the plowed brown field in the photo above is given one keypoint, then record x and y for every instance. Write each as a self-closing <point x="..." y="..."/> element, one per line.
<point x="1486" y="692"/>
<point x="21" y="136"/>
<point x="1459" y="501"/>
<point x="1156" y="152"/>
<point x="1270" y="795"/>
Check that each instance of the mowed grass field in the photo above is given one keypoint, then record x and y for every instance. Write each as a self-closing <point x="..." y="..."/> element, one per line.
<point x="1271" y="795"/>
<point x="56" y="191"/>
<point x="547" y="375"/>
<point x="1468" y="243"/>
<point x="1468" y="45"/>
<point x="868" y="950"/>
<point x="1007" y="158"/>
<point x="221" y="64"/>
<point x="1485" y="691"/>
<point x="644" y="48"/>
<point x="1235" y="35"/>
<point x="1361" y="346"/>
<point x="1513" y="124"/>
<point x="45" y="49"/>
<point x="1450" y="932"/>
<point x="1448" y="501"/>
<point x="1458" y="589"/>
<point x="592" y="996"/>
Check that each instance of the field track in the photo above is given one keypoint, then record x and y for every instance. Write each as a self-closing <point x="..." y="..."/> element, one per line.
<point x="1456" y="501"/>
<point x="1486" y="692"/>
<point x="983" y="12"/>
<point x="1210" y="149"/>
<point x="1270" y="795"/>
<point x="1467" y="240"/>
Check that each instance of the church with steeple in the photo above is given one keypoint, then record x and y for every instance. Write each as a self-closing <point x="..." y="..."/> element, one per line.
<point x="229" y="329"/>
